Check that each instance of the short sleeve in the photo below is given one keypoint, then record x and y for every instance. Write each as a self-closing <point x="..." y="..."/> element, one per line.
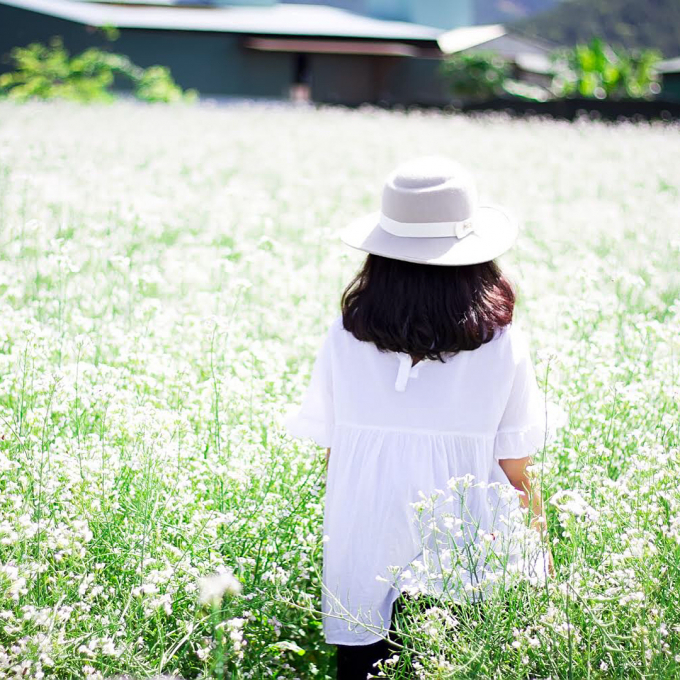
<point x="314" y="418"/>
<point x="523" y="425"/>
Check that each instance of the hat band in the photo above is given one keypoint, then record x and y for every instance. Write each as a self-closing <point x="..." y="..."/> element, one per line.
<point x="426" y="229"/>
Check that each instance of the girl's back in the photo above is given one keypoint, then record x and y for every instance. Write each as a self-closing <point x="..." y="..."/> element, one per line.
<point x="396" y="431"/>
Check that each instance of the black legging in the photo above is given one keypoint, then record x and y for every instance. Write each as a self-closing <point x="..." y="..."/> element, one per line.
<point x="355" y="662"/>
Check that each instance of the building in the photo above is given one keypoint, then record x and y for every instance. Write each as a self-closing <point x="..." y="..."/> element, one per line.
<point x="527" y="55"/>
<point x="264" y="49"/>
<point x="670" y="74"/>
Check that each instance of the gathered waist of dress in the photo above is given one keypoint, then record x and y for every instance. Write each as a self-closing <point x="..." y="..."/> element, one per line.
<point x="414" y="430"/>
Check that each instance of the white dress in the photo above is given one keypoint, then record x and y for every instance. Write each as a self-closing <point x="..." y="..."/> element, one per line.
<point x="399" y="433"/>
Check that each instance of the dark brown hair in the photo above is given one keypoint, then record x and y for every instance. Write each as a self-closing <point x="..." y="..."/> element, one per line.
<point x="426" y="310"/>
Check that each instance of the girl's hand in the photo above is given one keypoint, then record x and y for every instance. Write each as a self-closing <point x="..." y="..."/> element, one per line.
<point x="515" y="470"/>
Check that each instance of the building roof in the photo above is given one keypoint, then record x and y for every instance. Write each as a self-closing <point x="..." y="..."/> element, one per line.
<point x="278" y="19"/>
<point x="534" y="63"/>
<point x="459" y="39"/>
<point x="669" y="66"/>
<point x="497" y="38"/>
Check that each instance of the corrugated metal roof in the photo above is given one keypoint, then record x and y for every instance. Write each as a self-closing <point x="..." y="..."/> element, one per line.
<point x="279" y="19"/>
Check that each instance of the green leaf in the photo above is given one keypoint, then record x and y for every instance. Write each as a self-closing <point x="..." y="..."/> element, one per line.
<point x="287" y="645"/>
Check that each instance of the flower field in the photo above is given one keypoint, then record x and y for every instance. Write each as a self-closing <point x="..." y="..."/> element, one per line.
<point x="166" y="277"/>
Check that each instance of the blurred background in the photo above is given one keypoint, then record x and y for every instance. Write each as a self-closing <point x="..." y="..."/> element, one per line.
<point x="615" y="57"/>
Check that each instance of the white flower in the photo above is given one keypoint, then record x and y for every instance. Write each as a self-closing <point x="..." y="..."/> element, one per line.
<point x="572" y="502"/>
<point x="214" y="587"/>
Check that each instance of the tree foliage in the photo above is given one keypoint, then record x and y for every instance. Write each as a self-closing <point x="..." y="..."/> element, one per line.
<point x="594" y="70"/>
<point x="601" y="71"/>
<point x="475" y="76"/>
<point x="482" y="75"/>
<point x="48" y="72"/>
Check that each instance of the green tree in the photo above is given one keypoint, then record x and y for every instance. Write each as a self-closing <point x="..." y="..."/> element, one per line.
<point x="601" y="71"/>
<point x="479" y="76"/>
<point x="48" y="72"/>
<point x="475" y="76"/>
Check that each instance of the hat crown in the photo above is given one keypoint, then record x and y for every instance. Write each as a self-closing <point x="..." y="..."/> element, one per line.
<point x="429" y="189"/>
<point x="430" y="215"/>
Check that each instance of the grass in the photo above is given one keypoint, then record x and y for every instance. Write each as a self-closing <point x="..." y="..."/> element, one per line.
<point x="166" y="277"/>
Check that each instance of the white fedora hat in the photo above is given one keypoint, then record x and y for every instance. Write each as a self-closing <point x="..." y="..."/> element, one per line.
<point x="430" y="214"/>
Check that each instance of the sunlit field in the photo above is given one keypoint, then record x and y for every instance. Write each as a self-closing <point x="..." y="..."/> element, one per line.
<point x="166" y="278"/>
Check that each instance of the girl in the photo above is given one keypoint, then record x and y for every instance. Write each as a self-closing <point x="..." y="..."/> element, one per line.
<point x="422" y="380"/>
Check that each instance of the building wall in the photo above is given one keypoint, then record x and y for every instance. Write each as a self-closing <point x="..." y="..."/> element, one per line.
<point x="19" y="27"/>
<point x="670" y="90"/>
<point x="342" y="78"/>
<point x="212" y="63"/>
<point x="194" y="60"/>
<point x="417" y="81"/>
<point x="354" y="79"/>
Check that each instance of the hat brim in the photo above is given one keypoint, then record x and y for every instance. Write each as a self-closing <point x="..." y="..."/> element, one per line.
<point x="495" y="231"/>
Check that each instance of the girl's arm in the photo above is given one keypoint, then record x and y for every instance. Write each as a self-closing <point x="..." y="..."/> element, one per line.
<point x="515" y="471"/>
<point x="328" y="455"/>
